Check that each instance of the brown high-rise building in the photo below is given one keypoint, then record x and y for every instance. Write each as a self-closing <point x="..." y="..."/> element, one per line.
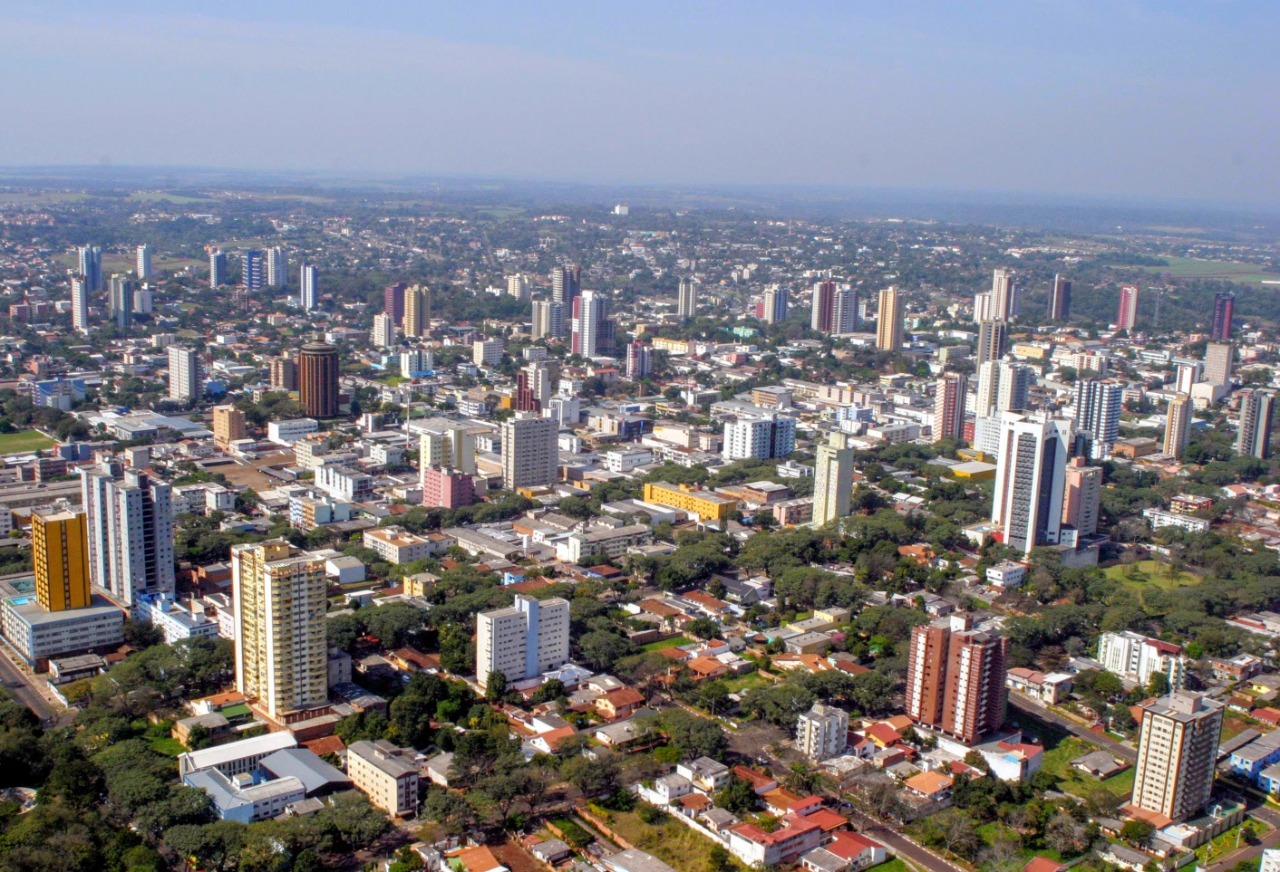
<point x="956" y="678"/>
<point x="228" y="425"/>
<point x="1081" y="496"/>
<point x="417" y="311"/>
<point x="318" y="379"/>
<point x="284" y="373"/>
<point x="393" y="301"/>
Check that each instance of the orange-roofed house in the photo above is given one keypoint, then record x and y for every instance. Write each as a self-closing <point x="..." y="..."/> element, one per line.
<point x="755" y="847"/>
<point x="619" y="704"/>
<point x="846" y="850"/>
<point x="706" y="668"/>
<point x="930" y="785"/>
<point x="477" y="859"/>
<point x="883" y="735"/>
<point x="759" y="782"/>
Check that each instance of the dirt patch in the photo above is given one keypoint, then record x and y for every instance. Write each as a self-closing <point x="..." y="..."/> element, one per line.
<point x="516" y="858"/>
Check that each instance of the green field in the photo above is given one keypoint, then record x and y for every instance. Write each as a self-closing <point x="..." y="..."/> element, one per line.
<point x="664" y="644"/>
<point x="1193" y="268"/>
<point x="163" y="196"/>
<point x="669" y="841"/>
<point x="1150" y="573"/>
<point x="1057" y="762"/>
<point x="27" y="440"/>
<point x="167" y="746"/>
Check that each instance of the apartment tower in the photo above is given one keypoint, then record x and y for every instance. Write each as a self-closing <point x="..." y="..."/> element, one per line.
<point x="318" y="379"/>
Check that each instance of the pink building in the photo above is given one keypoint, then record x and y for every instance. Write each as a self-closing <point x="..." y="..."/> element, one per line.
<point x="447" y="489"/>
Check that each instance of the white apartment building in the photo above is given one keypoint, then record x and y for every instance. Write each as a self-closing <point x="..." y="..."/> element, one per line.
<point x="1135" y="657"/>
<point x="487" y="352"/>
<point x="184" y="374"/>
<point x="396" y="545"/>
<point x="522" y="641"/>
<point x="823" y="731"/>
<point x="445" y="443"/>
<point x="343" y="483"/>
<point x="610" y="542"/>
<point x="289" y="432"/>
<point x="130" y="531"/>
<point x="530" y="456"/>
<point x="761" y="438"/>
<point x="833" y="480"/>
<point x="623" y="460"/>
<point x="388" y="775"/>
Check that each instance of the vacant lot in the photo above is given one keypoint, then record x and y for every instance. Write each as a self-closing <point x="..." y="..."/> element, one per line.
<point x="27" y="440"/>
<point x="668" y="840"/>
<point x="1057" y="762"/>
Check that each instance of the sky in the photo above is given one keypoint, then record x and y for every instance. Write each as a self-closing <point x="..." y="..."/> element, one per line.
<point x="1165" y="100"/>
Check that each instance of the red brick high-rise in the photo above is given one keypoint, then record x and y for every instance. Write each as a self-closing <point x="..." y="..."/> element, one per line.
<point x="318" y="379"/>
<point x="393" y="301"/>
<point x="956" y="679"/>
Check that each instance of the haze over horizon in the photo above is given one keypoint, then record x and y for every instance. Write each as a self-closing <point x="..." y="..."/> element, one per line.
<point x="1135" y="100"/>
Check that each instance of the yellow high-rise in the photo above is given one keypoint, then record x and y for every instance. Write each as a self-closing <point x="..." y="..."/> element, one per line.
<point x="280" y="602"/>
<point x="889" y="321"/>
<point x="60" y="551"/>
<point x="417" y="311"/>
<point x="228" y="425"/>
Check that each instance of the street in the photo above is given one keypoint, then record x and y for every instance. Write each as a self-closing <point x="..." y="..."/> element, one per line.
<point x="17" y="681"/>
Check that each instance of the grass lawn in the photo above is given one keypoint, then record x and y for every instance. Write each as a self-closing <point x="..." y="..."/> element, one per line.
<point x="1150" y="572"/>
<point x="1057" y="762"/>
<point x="669" y="840"/>
<point x="1228" y="842"/>
<point x="1195" y="268"/>
<point x="739" y="683"/>
<point x="167" y="746"/>
<point x="664" y="644"/>
<point x="27" y="440"/>
<point x="894" y="864"/>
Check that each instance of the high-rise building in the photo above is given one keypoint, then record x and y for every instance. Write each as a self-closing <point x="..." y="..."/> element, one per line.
<point x="956" y="678"/>
<point x="446" y="488"/>
<point x="774" y="305"/>
<point x="393" y="301"/>
<point x="832" y="479"/>
<point x="639" y="360"/>
<point x="228" y="425"/>
<point x="416" y="362"/>
<point x="542" y="321"/>
<point x="1098" y="415"/>
<point x="1257" y="409"/>
<point x="283" y="373"/>
<point x="988" y="388"/>
<point x="823" y="308"/>
<point x="845" y="319"/>
<point x="1218" y="358"/>
<point x="121" y="302"/>
<point x="889" y="321"/>
<point x="1127" y="314"/>
<point x="522" y="399"/>
<point x="687" y="300"/>
<point x="91" y="267"/>
<point x="1081" y="497"/>
<point x="566" y="285"/>
<point x="217" y="267"/>
<point x="948" y="406"/>
<point x="590" y="312"/>
<point x="526" y="639"/>
<point x="60" y="556"/>
<point x="384" y="333"/>
<point x="1177" y="750"/>
<point x="530" y="453"/>
<point x="1224" y="307"/>
<point x="1188" y="375"/>
<point x="308" y="294"/>
<point x="445" y="443"/>
<point x="1029" y="480"/>
<point x="518" y="286"/>
<point x="143" y="302"/>
<point x="1177" y="426"/>
<point x="80" y="304"/>
<point x="142" y="265"/>
<point x="761" y="438"/>
<point x="277" y="267"/>
<point x="1002" y="387"/>
<point x="1060" y="299"/>
<point x="130" y="527"/>
<point x="417" y="311"/>
<point x="1004" y="296"/>
<point x="991" y="338"/>
<point x="318" y="379"/>
<point x="252" y="273"/>
<point x="185" y="385"/>
<point x="1134" y="657"/>
<point x="280" y="597"/>
<point x="823" y="732"/>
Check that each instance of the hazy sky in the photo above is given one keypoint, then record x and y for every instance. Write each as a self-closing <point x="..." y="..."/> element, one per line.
<point x="1166" y="99"/>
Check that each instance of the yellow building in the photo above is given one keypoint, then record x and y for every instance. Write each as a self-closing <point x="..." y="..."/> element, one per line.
<point x="417" y="311"/>
<point x="228" y="425"/>
<point x="60" y="551"/>
<point x="281" y="653"/>
<point x="672" y="346"/>
<point x="705" y="504"/>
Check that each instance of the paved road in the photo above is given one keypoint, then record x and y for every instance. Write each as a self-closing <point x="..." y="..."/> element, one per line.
<point x="901" y="846"/>
<point x="1104" y="742"/>
<point x="17" y="682"/>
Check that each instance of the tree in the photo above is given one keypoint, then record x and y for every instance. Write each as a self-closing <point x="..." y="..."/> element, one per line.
<point x="694" y="736"/>
<point x="392" y="625"/>
<point x="342" y="632"/>
<point x="1067" y="836"/>
<point x="738" y="796"/>
<point x="1137" y="832"/>
<point x="598" y="777"/>
<point x="601" y="649"/>
<point x="450" y="810"/>
<point x="495" y="686"/>
<point x="215" y="847"/>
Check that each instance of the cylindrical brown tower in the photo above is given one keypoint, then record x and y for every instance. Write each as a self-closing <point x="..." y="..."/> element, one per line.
<point x="318" y="379"/>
